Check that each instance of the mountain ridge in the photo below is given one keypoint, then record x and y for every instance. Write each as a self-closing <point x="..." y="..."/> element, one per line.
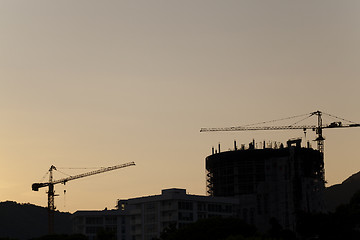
<point x="26" y="220"/>
<point x="341" y="193"/>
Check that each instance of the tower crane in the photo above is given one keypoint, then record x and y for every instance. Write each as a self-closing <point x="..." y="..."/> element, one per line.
<point x="51" y="192"/>
<point x="318" y="128"/>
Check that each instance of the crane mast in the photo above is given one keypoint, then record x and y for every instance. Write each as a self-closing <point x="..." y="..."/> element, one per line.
<point x="51" y="192"/>
<point x="320" y="139"/>
<point x="51" y="200"/>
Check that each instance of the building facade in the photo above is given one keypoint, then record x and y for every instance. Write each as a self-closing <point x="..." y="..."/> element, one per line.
<point x="276" y="182"/>
<point x="92" y="223"/>
<point x="144" y="218"/>
<point x="256" y="185"/>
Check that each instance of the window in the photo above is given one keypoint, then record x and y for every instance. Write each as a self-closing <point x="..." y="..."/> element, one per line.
<point x="150" y="217"/>
<point x="201" y="206"/>
<point x="112" y="229"/>
<point x="228" y="208"/>
<point x="214" y="207"/>
<point x="94" y="220"/>
<point x="245" y="214"/>
<point x="166" y="203"/>
<point x="201" y="215"/>
<point x="185" y="205"/>
<point x="186" y="216"/>
<point x="252" y="215"/>
<point x="150" y="228"/>
<point x="150" y="206"/>
<point x="93" y="230"/>
<point x="110" y="220"/>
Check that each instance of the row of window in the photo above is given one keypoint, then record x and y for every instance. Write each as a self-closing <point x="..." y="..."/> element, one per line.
<point x="97" y="229"/>
<point x="185" y="205"/>
<point x="211" y="207"/>
<point x="150" y="208"/>
<point x="100" y="220"/>
<point x="186" y="216"/>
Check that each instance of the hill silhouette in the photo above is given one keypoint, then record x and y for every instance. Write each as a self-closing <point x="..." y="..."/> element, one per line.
<point x="338" y="194"/>
<point x="25" y="221"/>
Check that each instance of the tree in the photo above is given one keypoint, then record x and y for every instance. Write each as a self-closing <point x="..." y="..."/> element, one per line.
<point x="210" y="229"/>
<point x="342" y="224"/>
<point x="105" y="234"/>
<point x="62" y="237"/>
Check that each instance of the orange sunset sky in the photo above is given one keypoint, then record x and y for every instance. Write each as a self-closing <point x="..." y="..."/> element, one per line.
<point x="97" y="83"/>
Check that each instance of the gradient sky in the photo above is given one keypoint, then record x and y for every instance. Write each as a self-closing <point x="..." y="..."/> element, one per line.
<point x="98" y="83"/>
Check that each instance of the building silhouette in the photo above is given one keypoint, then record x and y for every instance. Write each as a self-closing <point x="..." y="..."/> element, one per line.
<point x="144" y="218"/>
<point x="274" y="182"/>
<point x="258" y="185"/>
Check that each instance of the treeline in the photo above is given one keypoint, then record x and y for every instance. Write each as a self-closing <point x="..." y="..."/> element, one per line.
<point x="344" y="223"/>
<point x="25" y="221"/>
<point x="225" y="229"/>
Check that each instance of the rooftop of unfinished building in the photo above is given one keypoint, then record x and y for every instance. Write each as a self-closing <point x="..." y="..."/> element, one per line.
<point x="295" y="142"/>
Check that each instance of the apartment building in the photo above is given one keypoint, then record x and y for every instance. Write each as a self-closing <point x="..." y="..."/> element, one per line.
<point x="276" y="182"/>
<point x="144" y="218"/>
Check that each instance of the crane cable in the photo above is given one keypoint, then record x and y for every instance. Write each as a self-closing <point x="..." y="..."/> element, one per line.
<point x="64" y="198"/>
<point x="57" y="169"/>
<point x="65" y="187"/>
<point x="300" y="120"/>
<point x="81" y="167"/>
<point x="338" y="118"/>
<point x="42" y="179"/>
<point x="307" y="116"/>
<point x="63" y="173"/>
<point x="277" y="120"/>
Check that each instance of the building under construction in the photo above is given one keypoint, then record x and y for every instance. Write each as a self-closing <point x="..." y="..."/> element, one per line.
<point x="273" y="182"/>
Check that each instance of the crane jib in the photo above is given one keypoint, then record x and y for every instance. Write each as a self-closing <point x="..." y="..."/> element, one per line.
<point x="36" y="186"/>
<point x="318" y="128"/>
<point x="102" y="170"/>
<point x="304" y="127"/>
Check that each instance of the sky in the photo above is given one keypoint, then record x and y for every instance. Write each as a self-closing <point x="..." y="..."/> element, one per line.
<point x="88" y="84"/>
